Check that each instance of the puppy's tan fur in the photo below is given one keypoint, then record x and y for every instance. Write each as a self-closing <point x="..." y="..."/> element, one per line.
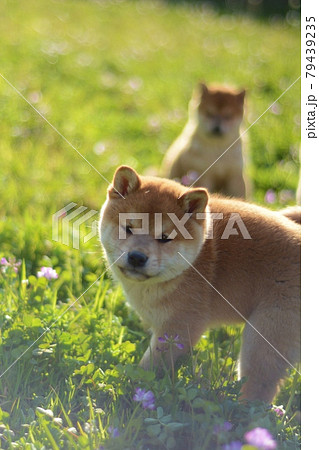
<point x="186" y="284"/>
<point x="293" y="213"/>
<point x="215" y="115"/>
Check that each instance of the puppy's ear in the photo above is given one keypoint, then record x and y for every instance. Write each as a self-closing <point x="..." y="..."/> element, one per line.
<point x="200" y="91"/>
<point x="241" y="95"/>
<point x="125" y="181"/>
<point x="203" y="89"/>
<point x="194" y="200"/>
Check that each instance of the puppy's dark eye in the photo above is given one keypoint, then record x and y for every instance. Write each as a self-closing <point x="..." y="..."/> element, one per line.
<point x="164" y="239"/>
<point x="128" y="230"/>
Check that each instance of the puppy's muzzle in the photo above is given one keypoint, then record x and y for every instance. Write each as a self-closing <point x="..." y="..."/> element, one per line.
<point x="217" y="131"/>
<point x="137" y="259"/>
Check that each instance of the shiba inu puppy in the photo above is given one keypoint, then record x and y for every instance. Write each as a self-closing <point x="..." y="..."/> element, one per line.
<point x="215" y="115"/>
<point x="188" y="261"/>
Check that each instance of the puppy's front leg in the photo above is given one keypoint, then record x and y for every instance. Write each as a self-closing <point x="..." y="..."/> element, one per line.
<point x="235" y="186"/>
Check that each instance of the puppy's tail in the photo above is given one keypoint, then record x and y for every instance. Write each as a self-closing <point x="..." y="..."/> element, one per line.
<point x="293" y="213"/>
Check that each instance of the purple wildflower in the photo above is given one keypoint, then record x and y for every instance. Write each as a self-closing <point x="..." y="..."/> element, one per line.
<point x="146" y="398"/>
<point x="113" y="431"/>
<point x="189" y="178"/>
<point x="270" y="196"/>
<point x="185" y="180"/>
<point x="11" y="263"/>
<point x="260" y="438"/>
<point x="279" y="410"/>
<point x="234" y="445"/>
<point x="48" y="273"/>
<point x="226" y="426"/>
<point x="170" y="340"/>
<point x="275" y="109"/>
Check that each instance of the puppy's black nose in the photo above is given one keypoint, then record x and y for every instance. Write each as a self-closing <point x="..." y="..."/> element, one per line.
<point x="137" y="259"/>
<point x="217" y="130"/>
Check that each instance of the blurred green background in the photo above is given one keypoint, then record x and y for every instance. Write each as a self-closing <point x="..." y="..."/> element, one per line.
<point x="115" y="78"/>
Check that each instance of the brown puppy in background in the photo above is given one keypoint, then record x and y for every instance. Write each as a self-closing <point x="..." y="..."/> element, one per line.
<point x="215" y="115"/>
<point x="230" y="262"/>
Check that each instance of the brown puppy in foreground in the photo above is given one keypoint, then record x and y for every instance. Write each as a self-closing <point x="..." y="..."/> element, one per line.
<point x="188" y="261"/>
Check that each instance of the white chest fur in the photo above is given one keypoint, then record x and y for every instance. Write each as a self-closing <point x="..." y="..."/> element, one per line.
<point x="149" y="300"/>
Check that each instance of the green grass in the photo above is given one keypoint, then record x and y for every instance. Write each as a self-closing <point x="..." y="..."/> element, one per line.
<point x="115" y="78"/>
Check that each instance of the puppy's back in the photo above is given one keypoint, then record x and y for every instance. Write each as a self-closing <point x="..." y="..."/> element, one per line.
<point x="257" y="254"/>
